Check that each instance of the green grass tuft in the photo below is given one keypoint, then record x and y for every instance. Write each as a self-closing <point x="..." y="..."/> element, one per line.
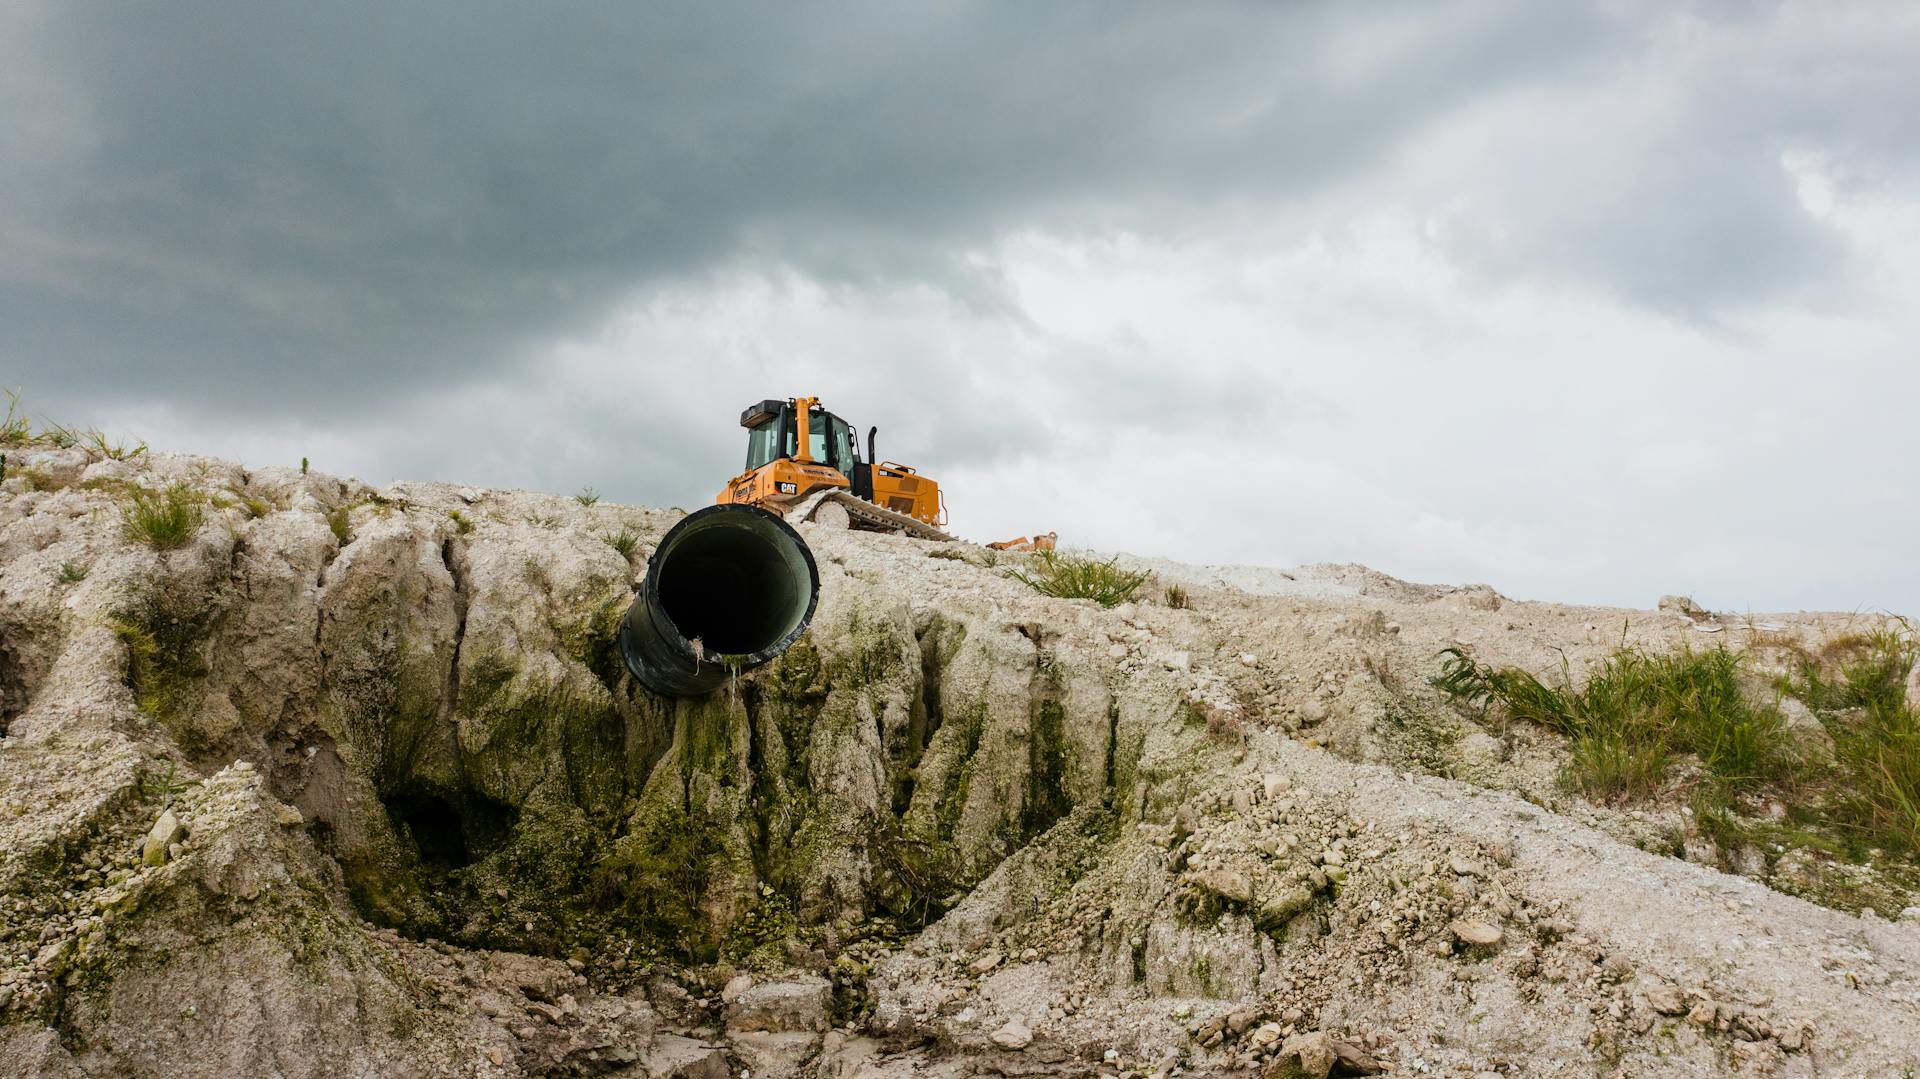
<point x="1640" y="713"/>
<point x="1177" y="598"/>
<point x="624" y="541"/>
<point x="587" y="496"/>
<point x="166" y="630"/>
<point x="1069" y="577"/>
<point x="96" y="441"/>
<point x="16" y="428"/>
<point x="1857" y="686"/>
<point x="1636" y="715"/>
<point x="461" y="522"/>
<point x="162" y="519"/>
<point x="73" y="572"/>
<point x="340" y="522"/>
<point x="255" y="506"/>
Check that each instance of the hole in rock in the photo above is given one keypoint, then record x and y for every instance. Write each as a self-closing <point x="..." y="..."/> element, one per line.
<point x="450" y="833"/>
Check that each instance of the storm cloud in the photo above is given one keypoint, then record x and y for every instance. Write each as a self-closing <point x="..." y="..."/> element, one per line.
<point x="561" y="244"/>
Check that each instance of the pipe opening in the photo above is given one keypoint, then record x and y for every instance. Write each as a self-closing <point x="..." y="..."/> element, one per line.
<point x="735" y="590"/>
<point x="729" y="587"/>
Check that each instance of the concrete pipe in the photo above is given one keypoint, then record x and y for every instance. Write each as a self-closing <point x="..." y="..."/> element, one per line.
<point x="729" y="588"/>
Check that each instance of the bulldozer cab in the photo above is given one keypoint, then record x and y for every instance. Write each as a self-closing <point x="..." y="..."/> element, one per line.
<point x="830" y="441"/>
<point x="796" y="448"/>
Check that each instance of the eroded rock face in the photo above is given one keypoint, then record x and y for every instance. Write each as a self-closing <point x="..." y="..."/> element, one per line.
<point x="427" y="692"/>
<point x="355" y="782"/>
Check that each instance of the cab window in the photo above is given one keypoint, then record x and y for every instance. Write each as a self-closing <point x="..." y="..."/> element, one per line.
<point x="817" y="437"/>
<point x="763" y="443"/>
<point x="842" y="445"/>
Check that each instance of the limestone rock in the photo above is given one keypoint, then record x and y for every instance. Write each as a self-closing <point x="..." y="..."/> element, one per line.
<point x="166" y="832"/>
<point x="1476" y="933"/>
<point x="774" y="1055"/>
<point x="1666" y="999"/>
<point x="676" y="1057"/>
<point x="1228" y="884"/>
<point x="1353" y="1060"/>
<point x="1309" y="1056"/>
<point x="801" y="1004"/>
<point x="1682" y="605"/>
<point x="1014" y="1035"/>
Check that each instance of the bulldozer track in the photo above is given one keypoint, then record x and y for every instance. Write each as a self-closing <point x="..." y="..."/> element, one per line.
<point x="867" y="513"/>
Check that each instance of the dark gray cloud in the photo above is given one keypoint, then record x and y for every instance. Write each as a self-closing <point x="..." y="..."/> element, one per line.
<point x="283" y="207"/>
<point x="1424" y="274"/>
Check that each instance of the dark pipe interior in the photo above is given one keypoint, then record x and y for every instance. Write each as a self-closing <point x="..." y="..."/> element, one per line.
<point x="732" y="589"/>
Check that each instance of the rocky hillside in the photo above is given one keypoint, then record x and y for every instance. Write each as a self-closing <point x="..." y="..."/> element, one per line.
<point x="300" y="777"/>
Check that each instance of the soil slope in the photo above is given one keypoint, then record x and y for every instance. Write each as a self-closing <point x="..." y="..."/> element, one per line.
<point x="353" y="781"/>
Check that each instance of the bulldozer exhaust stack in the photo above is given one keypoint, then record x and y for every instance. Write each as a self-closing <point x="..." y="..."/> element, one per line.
<point x="729" y="588"/>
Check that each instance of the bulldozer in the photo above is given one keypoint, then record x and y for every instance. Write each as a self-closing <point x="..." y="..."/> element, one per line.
<point x="732" y="585"/>
<point x="804" y="464"/>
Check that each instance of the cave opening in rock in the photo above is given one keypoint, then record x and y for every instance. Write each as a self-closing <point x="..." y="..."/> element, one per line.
<point x="450" y="833"/>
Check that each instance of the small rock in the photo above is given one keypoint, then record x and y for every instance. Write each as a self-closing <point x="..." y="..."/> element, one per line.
<point x="1910" y="915"/>
<point x="1479" y="748"/>
<point x="1242" y="1017"/>
<point x="1313" y="1052"/>
<point x="1178" y="661"/>
<point x="1682" y="605"/>
<point x="1700" y="850"/>
<point x="1266" y="1034"/>
<point x="1666" y="999"/>
<point x="1248" y="659"/>
<point x="1227" y="884"/>
<point x="1273" y="784"/>
<point x="167" y="832"/>
<point x="736" y="987"/>
<point x="991" y="959"/>
<point x="1467" y="868"/>
<point x="1703" y="1012"/>
<point x="1478" y="934"/>
<point x="1014" y="1035"/>
<point x="1118" y="651"/>
<point x="676" y="1057"/>
<point x="1354" y="1060"/>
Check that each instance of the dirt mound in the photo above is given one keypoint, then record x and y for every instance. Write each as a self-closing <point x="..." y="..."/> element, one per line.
<point x="334" y="780"/>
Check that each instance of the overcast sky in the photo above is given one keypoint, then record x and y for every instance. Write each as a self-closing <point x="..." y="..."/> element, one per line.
<point x="1588" y="301"/>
